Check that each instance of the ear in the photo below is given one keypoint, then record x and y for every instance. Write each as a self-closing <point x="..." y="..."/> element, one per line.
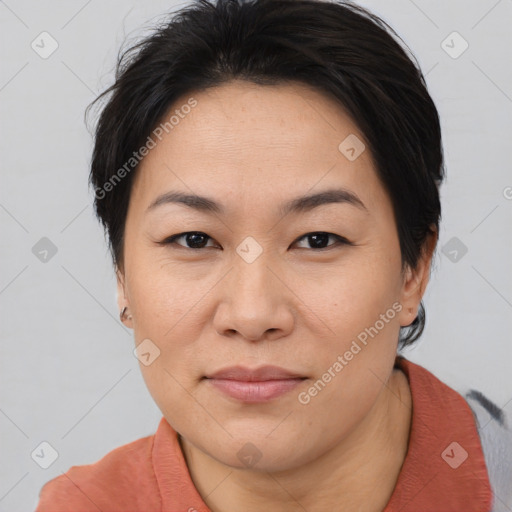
<point x="415" y="280"/>
<point x="122" y="298"/>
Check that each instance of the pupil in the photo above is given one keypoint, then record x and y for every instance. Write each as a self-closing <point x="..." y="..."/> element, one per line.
<point x="196" y="240"/>
<point x="318" y="240"/>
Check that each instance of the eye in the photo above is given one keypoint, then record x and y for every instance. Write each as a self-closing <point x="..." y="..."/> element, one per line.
<point x="193" y="240"/>
<point x="196" y="240"/>
<point x="319" y="240"/>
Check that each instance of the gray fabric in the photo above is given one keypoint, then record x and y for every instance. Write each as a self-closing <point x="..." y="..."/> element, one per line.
<point x="496" y="437"/>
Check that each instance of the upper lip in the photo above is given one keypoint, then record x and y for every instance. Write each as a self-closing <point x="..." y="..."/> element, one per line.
<point x="259" y="374"/>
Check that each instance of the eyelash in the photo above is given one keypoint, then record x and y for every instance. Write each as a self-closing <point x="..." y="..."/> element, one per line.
<point x="339" y="240"/>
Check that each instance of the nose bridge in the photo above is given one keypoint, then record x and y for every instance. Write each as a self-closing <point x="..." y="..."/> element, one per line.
<point x="251" y="262"/>
<point x="253" y="284"/>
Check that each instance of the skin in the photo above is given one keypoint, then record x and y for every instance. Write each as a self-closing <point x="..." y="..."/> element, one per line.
<point x="252" y="148"/>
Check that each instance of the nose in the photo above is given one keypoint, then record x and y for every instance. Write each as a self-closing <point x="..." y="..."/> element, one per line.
<point x="254" y="303"/>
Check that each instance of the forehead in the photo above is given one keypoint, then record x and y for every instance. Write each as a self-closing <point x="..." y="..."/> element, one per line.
<point x="268" y="141"/>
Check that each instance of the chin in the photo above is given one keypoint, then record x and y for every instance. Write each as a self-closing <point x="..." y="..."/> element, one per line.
<point x="257" y="452"/>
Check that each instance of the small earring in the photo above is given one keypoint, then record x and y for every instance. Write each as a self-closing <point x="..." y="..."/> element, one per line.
<point x="122" y="313"/>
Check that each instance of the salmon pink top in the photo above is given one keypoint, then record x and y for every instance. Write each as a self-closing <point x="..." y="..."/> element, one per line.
<point x="444" y="469"/>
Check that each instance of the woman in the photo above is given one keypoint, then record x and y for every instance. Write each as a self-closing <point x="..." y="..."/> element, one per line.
<point x="268" y="174"/>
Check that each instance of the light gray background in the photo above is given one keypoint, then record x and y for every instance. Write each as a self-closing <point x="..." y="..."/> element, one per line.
<point x="68" y="375"/>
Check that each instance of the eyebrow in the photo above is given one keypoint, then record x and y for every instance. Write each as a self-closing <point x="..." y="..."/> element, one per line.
<point x="299" y="204"/>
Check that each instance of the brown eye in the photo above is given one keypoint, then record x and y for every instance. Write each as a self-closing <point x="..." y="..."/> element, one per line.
<point x="192" y="240"/>
<point x="320" y="240"/>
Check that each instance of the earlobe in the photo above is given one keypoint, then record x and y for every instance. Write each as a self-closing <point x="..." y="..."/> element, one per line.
<point x="122" y="300"/>
<point x="124" y="315"/>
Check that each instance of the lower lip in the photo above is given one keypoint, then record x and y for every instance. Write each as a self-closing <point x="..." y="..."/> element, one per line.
<point x="258" y="391"/>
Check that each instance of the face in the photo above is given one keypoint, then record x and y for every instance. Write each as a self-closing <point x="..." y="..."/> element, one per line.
<point x="265" y="280"/>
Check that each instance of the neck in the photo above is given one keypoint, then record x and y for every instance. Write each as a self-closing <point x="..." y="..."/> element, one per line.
<point x="359" y="473"/>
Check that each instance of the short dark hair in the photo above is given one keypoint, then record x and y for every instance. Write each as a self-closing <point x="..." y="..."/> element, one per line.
<point x="339" y="48"/>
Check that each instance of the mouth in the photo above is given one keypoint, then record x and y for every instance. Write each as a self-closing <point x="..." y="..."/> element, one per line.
<point x="255" y="385"/>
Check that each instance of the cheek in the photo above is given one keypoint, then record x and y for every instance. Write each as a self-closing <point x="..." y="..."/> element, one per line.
<point x="361" y="309"/>
<point x="163" y="312"/>
<point x="356" y="295"/>
<point x="162" y="296"/>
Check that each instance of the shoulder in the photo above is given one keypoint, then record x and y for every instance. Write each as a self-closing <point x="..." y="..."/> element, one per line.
<point x="495" y="433"/>
<point x="123" y="478"/>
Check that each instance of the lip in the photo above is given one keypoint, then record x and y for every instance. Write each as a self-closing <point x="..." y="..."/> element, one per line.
<point x="255" y="385"/>
<point x="260" y="374"/>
